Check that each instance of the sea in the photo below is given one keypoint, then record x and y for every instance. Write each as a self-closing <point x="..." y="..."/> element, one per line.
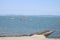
<point x="20" y="25"/>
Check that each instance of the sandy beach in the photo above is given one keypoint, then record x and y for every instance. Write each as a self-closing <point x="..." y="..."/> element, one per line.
<point x="34" y="37"/>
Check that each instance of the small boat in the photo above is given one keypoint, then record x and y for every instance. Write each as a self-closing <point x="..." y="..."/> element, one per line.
<point x="23" y="19"/>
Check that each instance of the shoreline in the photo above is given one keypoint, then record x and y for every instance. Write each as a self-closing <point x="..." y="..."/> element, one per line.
<point x="35" y="36"/>
<point x="45" y="33"/>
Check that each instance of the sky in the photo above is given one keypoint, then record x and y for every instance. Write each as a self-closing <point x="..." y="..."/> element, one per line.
<point x="29" y="7"/>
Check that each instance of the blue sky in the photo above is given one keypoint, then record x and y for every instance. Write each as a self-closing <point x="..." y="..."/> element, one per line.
<point x="29" y="7"/>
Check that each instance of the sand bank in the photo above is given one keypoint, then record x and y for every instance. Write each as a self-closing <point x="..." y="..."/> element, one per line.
<point x="34" y="37"/>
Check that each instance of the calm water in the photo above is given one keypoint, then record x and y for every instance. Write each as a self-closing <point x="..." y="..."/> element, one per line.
<point x="19" y="25"/>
